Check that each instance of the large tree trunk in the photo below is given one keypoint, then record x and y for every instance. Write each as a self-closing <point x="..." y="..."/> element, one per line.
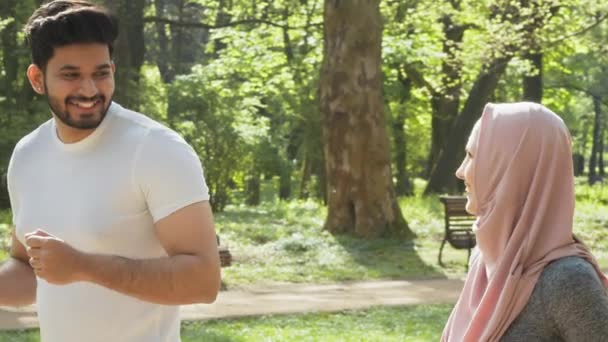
<point x="361" y="195"/>
<point x="442" y="178"/>
<point x="597" y="141"/>
<point x="533" y="85"/>
<point x="129" y="50"/>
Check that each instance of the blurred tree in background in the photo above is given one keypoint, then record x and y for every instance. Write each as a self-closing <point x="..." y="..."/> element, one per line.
<point x="250" y="85"/>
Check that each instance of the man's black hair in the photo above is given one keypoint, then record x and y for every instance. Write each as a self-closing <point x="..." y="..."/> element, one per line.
<point x="61" y="23"/>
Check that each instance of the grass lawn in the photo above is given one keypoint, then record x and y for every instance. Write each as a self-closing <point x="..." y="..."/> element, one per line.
<point x="382" y="324"/>
<point x="284" y="241"/>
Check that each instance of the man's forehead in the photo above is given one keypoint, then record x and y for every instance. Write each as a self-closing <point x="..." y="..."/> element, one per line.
<point x="80" y="56"/>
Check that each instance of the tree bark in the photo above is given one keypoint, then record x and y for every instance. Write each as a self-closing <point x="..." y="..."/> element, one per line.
<point x="596" y="152"/>
<point x="305" y="178"/>
<point x="446" y="102"/>
<point x="533" y="85"/>
<point x="600" y="157"/>
<point x="404" y="186"/>
<point x="253" y="188"/>
<point x="162" y="59"/>
<point x="361" y="195"/>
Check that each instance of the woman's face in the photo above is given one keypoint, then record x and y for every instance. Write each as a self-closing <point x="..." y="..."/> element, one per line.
<point x="466" y="171"/>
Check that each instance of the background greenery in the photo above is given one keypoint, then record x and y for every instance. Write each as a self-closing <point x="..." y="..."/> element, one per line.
<point x="239" y="79"/>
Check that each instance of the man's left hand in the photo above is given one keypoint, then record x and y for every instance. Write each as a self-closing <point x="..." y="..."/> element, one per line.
<point x="53" y="259"/>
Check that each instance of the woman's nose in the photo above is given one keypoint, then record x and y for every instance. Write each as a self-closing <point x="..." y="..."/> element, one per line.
<point x="460" y="171"/>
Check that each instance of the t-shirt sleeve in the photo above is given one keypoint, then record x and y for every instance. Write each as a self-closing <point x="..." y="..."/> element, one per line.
<point x="169" y="174"/>
<point x="11" y="185"/>
<point x="577" y="302"/>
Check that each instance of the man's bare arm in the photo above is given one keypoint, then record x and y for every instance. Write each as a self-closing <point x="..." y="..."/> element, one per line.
<point x="17" y="279"/>
<point x="190" y="274"/>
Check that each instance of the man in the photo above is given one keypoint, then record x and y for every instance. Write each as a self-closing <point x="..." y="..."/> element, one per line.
<point x="113" y="225"/>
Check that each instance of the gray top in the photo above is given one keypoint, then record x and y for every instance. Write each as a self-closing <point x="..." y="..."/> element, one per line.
<point x="569" y="303"/>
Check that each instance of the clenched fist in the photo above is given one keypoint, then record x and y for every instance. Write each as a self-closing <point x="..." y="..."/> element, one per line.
<point x="54" y="260"/>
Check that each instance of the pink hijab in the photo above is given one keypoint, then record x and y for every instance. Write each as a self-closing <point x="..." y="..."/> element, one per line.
<point x="524" y="186"/>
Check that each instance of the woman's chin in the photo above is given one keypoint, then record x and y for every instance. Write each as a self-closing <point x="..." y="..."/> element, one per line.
<point x="470" y="207"/>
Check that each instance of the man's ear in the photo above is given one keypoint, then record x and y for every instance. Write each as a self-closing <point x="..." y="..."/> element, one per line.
<point x="36" y="78"/>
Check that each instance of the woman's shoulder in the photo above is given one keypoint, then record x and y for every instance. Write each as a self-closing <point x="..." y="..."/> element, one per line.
<point x="569" y="280"/>
<point x="575" y="299"/>
<point x="568" y="270"/>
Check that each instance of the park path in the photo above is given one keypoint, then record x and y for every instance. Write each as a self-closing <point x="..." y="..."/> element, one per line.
<point x="292" y="298"/>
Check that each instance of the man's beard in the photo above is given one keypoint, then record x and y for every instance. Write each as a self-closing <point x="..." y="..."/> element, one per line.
<point x="69" y="120"/>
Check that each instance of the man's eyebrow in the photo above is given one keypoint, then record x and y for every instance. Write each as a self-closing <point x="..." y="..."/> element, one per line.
<point x="69" y="67"/>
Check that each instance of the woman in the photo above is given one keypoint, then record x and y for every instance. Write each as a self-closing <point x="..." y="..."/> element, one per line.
<point x="529" y="278"/>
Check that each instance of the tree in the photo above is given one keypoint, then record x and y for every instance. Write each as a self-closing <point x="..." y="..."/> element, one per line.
<point x="516" y="23"/>
<point x="583" y="72"/>
<point x="361" y="195"/>
<point x="129" y="50"/>
<point x="597" y="151"/>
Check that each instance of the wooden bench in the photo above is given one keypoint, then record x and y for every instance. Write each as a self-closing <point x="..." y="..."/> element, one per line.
<point x="458" y="225"/>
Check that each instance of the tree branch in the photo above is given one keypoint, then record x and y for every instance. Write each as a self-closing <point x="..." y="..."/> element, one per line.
<point x="583" y="31"/>
<point x="150" y="19"/>
<point x="580" y="89"/>
<point x="418" y="79"/>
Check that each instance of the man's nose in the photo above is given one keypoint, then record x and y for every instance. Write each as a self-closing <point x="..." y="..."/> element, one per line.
<point x="88" y="87"/>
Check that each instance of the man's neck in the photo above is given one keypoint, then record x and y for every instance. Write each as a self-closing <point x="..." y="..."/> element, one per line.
<point x="70" y="135"/>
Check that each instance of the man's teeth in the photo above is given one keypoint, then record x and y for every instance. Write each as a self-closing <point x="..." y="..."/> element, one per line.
<point x="85" y="104"/>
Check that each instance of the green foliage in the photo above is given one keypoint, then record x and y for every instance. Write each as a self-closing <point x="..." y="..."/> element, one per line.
<point x="247" y="109"/>
<point x="245" y="96"/>
<point x="5" y="22"/>
<point x="151" y="84"/>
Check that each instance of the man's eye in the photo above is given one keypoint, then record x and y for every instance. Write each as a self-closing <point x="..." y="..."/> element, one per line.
<point x="70" y="76"/>
<point x="102" y="74"/>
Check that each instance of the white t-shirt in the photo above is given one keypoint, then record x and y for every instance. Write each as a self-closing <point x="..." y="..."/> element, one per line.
<point x="103" y="195"/>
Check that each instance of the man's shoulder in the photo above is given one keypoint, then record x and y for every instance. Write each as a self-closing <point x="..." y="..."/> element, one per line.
<point x="35" y="139"/>
<point x="135" y="121"/>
